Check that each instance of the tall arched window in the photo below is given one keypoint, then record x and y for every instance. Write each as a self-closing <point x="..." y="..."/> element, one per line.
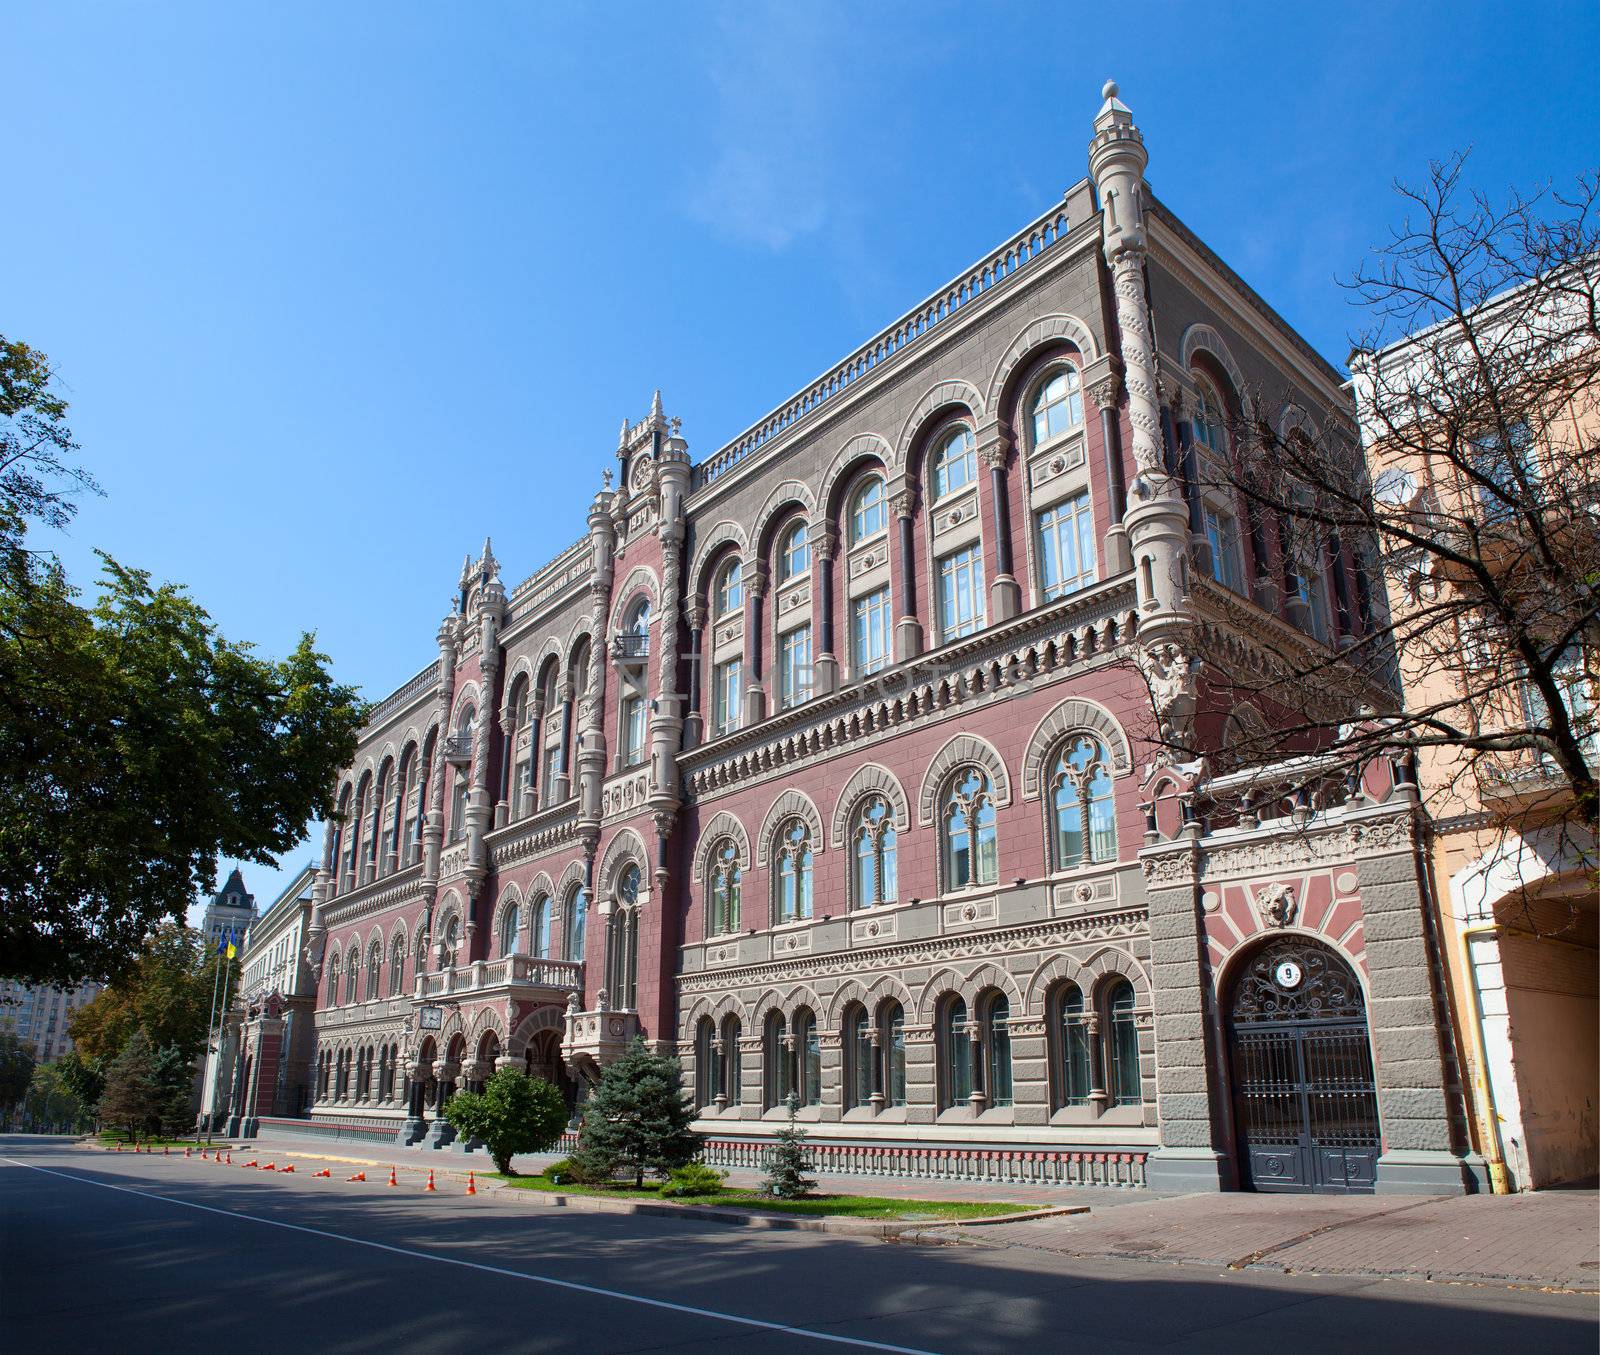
<point x="577" y="921"/>
<point x="728" y="595"/>
<point x="421" y="966"/>
<point x="383" y="837"/>
<point x="511" y="930"/>
<point x="955" y="462"/>
<point x="1083" y="809"/>
<point x="722" y="890"/>
<point x="374" y="969"/>
<point x="707" y="1066"/>
<point x="637" y="628"/>
<point x="869" y="510"/>
<point x="793" y="872"/>
<point x="540" y="931"/>
<point x="352" y="975"/>
<point x="876" y="869"/>
<point x="794" y="553"/>
<point x="1071" y="1048"/>
<point x="859" y="1055"/>
<point x="622" y="942"/>
<point x="333" y="981"/>
<point x="1122" y="1044"/>
<point x="732" y="1060"/>
<point x="997" y="1050"/>
<point x="451" y="942"/>
<point x="406" y="788"/>
<point x="808" y="1058"/>
<point x="777" y="1073"/>
<point x="397" y="967"/>
<point x="971" y="849"/>
<point x="1208" y="424"/>
<point x="892" y="1043"/>
<point x="1057" y="406"/>
<point x="955" y="1051"/>
<point x="461" y="773"/>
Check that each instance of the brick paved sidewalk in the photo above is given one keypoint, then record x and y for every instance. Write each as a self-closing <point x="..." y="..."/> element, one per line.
<point x="1550" y="1238"/>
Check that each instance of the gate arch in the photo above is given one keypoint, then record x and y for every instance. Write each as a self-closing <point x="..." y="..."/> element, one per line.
<point x="1300" y="1066"/>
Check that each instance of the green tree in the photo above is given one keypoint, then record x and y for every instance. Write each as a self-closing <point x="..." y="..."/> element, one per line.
<point x="85" y="1079"/>
<point x="175" y="1076"/>
<point x="787" y="1161"/>
<point x="137" y="744"/>
<point x="638" y="1118"/>
<point x="134" y="1095"/>
<point x="513" y="1113"/>
<point x="16" y="1071"/>
<point x="50" y="1104"/>
<point x="165" y="992"/>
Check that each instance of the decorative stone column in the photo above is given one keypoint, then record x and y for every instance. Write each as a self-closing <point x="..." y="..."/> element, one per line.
<point x="1005" y="595"/>
<point x="908" y="634"/>
<point x="831" y="1048"/>
<point x="825" y="674"/>
<point x="922" y="1095"/>
<point x="755" y="595"/>
<point x="694" y="611"/>
<point x="1106" y="395"/>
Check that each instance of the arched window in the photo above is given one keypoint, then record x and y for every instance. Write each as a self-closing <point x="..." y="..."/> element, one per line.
<point x="1083" y="810"/>
<point x="451" y="942"/>
<point x="997" y="1050"/>
<point x="511" y="930"/>
<point x="869" y="510"/>
<point x="732" y="1059"/>
<point x="876" y="871"/>
<point x="1057" y="406"/>
<point x="892" y="1043"/>
<point x="577" y="921"/>
<point x="722" y="890"/>
<point x="955" y="462"/>
<point x="971" y="849"/>
<point x="860" y="1057"/>
<point x="352" y="975"/>
<point x="794" y="856"/>
<point x="397" y="967"/>
<point x="637" y="627"/>
<point x="333" y="982"/>
<point x="374" y="969"/>
<point x="808" y="1058"/>
<point x="622" y="942"/>
<point x="1208" y="424"/>
<point x="794" y="553"/>
<point x="707" y="1067"/>
<point x="729" y="592"/>
<point x="1122" y="1045"/>
<point x="1071" y="1048"/>
<point x="383" y="838"/>
<point x="462" y="776"/>
<point x="541" y="927"/>
<point x="777" y="1061"/>
<point x="422" y="954"/>
<point x="955" y="1053"/>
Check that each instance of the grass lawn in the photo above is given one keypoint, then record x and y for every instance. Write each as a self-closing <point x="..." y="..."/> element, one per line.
<point x="114" y="1136"/>
<point x="837" y="1206"/>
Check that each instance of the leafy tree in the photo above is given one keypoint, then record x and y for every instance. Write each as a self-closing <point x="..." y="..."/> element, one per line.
<point x="513" y="1113"/>
<point x="137" y="744"/>
<point x="787" y="1161"/>
<point x="638" y="1118"/>
<point x="134" y="1096"/>
<point x="165" y="992"/>
<point x="16" y="1071"/>
<point x="50" y="1103"/>
<point x="84" y="1078"/>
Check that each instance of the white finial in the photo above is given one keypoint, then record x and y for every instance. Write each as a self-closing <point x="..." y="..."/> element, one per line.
<point x="655" y="404"/>
<point x="605" y="477"/>
<point x="1110" y="90"/>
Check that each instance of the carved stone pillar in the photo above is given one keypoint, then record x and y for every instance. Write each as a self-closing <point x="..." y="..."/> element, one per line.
<point x="1106" y="395"/>
<point x="826" y="668"/>
<point x="694" y="720"/>
<point x="908" y="633"/>
<point x="1005" y="596"/>
<point x="755" y="595"/>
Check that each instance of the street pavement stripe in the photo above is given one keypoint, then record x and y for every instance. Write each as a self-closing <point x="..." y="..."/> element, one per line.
<point x="802" y="1332"/>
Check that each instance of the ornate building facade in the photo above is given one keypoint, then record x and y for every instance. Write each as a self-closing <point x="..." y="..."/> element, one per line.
<point x="830" y="762"/>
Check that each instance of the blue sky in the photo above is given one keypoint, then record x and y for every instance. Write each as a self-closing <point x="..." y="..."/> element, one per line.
<point x="336" y="290"/>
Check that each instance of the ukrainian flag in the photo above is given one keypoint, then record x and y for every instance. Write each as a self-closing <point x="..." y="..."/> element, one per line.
<point x="227" y="946"/>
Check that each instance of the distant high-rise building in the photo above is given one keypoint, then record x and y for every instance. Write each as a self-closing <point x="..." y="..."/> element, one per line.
<point x="39" y="1015"/>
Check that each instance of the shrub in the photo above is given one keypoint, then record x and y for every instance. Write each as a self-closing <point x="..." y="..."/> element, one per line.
<point x="695" y="1178"/>
<point x="787" y="1162"/>
<point x="571" y="1171"/>
<point x="513" y="1113"/>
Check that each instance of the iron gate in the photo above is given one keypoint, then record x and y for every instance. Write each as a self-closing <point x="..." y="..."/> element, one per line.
<point x="1306" y="1104"/>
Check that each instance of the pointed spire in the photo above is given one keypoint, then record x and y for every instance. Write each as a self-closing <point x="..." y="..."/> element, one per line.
<point x="655" y="405"/>
<point x="466" y="569"/>
<point x="622" y="437"/>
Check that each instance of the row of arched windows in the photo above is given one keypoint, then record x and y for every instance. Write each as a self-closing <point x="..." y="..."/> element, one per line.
<point x="1092" y="1054"/>
<point x="1083" y="831"/>
<point x="369" y="1073"/>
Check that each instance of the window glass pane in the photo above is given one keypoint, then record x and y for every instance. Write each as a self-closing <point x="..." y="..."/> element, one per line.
<point x="795" y="556"/>
<point x="579" y="909"/>
<point x="1074" y="1049"/>
<point x="1058" y="406"/>
<point x="958" y="1055"/>
<point x="1066" y="546"/>
<point x="859" y="1035"/>
<point x="869" y="633"/>
<point x="728" y="685"/>
<point x="869" y="512"/>
<point x="955" y="464"/>
<point x="810" y="1046"/>
<point x="1124" y="1050"/>
<point x="730" y="588"/>
<point x="961" y="609"/>
<point x="894" y="1047"/>
<point x="794" y="667"/>
<point x="999" y="1040"/>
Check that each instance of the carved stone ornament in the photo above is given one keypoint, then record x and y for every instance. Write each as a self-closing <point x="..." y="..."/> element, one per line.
<point x="1170" y="674"/>
<point x="1276" y="905"/>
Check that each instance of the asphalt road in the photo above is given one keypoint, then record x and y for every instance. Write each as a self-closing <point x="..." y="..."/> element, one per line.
<point x="123" y="1254"/>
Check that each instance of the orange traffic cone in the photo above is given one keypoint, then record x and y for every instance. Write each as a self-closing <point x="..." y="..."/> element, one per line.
<point x="270" y="1167"/>
<point x="323" y="1172"/>
<point x="186" y="1153"/>
<point x="392" y="1180"/>
<point x="119" y="1147"/>
<point x="166" y="1150"/>
<point x="430" y="1185"/>
<point x="251" y="1163"/>
<point x="359" y="1176"/>
<point x="289" y="1168"/>
<point x="230" y="1159"/>
<point x="472" y="1184"/>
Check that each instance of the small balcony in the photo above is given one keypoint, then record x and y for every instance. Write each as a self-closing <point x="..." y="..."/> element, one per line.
<point x="594" y="1039"/>
<point x="630" y="646"/>
<point x="458" y="750"/>
<point x="516" y="977"/>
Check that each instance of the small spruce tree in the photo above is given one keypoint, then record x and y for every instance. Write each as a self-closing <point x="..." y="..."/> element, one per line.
<point x="134" y="1094"/>
<point x="787" y="1161"/>
<point x="637" y="1119"/>
<point x="513" y="1113"/>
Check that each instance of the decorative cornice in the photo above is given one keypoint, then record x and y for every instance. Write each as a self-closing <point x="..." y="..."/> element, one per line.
<point x="377" y="896"/>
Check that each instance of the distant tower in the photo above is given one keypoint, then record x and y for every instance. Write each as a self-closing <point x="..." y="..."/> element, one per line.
<point x="232" y="906"/>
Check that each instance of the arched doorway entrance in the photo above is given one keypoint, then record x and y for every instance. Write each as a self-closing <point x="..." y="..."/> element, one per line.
<point x="1305" y="1102"/>
<point x="543" y="1059"/>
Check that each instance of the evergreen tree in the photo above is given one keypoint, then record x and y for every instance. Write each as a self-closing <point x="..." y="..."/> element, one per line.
<point x="133" y="1096"/>
<point x="513" y="1113"/>
<point x="787" y="1162"/>
<point x="174" y="1073"/>
<point x="638" y="1118"/>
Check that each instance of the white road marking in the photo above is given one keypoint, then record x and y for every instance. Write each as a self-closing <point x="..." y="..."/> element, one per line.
<point x="803" y="1332"/>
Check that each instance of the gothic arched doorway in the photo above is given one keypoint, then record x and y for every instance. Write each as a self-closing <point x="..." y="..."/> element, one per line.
<point x="543" y="1059"/>
<point x="1305" y="1102"/>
